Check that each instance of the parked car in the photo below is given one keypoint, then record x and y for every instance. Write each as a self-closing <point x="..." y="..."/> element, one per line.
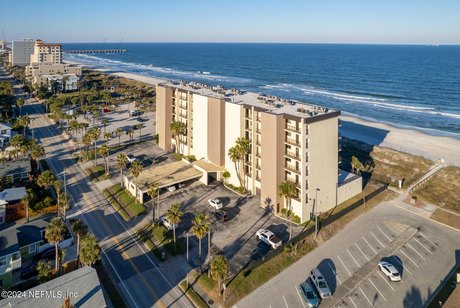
<point x="320" y="283"/>
<point x="269" y="238"/>
<point x="221" y="215"/>
<point x="131" y="158"/>
<point x="216" y="203"/>
<point x="48" y="253"/>
<point x="167" y="223"/>
<point x="308" y="292"/>
<point x="171" y="188"/>
<point x="390" y="271"/>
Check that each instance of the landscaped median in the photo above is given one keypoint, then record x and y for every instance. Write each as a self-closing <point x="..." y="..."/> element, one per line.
<point x="158" y="239"/>
<point x="258" y="273"/>
<point x="97" y="173"/>
<point x="123" y="202"/>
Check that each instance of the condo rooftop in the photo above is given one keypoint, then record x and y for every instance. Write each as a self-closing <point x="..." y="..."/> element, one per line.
<point x="269" y="103"/>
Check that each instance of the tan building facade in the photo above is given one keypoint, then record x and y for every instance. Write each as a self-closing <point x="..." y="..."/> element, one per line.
<point x="46" y="53"/>
<point x="288" y="141"/>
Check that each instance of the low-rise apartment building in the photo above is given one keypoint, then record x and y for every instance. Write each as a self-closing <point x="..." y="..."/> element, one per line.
<point x="288" y="140"/>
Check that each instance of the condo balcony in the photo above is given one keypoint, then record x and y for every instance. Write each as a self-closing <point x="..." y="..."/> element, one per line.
<point x="294" y="142"/>
<point x="292" y="168"/>
<point x="292" y="154"/>
<point x="293" y="128"/>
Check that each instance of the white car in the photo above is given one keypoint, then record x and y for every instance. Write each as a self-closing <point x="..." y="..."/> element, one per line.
<point x="171" y="188"/>
<point x="167" y="223"/>
<point x="269" y="238"/>
<point x="390" y="271"/>
<point x="131" y="158"/>
<point x="216" y="203"/>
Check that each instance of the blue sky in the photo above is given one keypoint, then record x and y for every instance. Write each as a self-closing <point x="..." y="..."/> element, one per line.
<point x="303" y="21"/>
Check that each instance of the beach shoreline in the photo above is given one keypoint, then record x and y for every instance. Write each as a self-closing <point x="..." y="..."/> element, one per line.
<point x="412" y="141"/>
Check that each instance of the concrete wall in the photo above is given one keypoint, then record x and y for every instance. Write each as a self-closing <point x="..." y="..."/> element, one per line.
<point x="323" y="162"/>
<point x="233" y="130"/>
<point x="131" y="187"/>
<point x="163" y="116"/>
<point x="349" y="190"/>
<point x="200" y="126"/>
<point x="216" y="131"/>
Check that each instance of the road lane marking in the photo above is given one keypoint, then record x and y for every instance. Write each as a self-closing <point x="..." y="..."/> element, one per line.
<point x="369" y="245"/>
<point x="377" y="290"/>
<point x="353" y="258"/>
<point x="402" y="265"/>
<point x="422" y="245"/>
<point x="298" y="293"/>
<point x="362" y="252"/>
<point x="427" y="238"/>
<point x="285" y="302"/>
<point x="366" y="297"/>
<point x="351" y="300"/>
<point x="385" y="279"/>
<point x="344" y="265"/>
<point x="409" y="258"/>
<point x="384" y="233"/>
<point x="335" y="273"/>
<point x="378" y="240"/>
<point x="415" y="251"/>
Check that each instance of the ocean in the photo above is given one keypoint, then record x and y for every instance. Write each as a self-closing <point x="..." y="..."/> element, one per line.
<point x="404" y="85"/>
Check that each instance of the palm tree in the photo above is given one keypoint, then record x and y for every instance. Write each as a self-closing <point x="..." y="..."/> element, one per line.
<point x="105" y="152"/>
<point x="27" y="200"/>
<point x="234" y="155"/>
<point x="80" y="229"/>
<point x="20" y="103"/>
<point x="243" y="145"/>
<point x="122" y="160"/>
<point x="44" y="271"/>
<point x="356" y="164"/>
<point x="74" y="126"/>
<point x="17" y="141"/>
<point x="104" y="122"/>
<point x="90" y="251"/>
<point x="200" y="227"/>
<point x="107" y="136"/>
<point x="219" y="269"/>
<point x="23" y="121"/>
<point x="174" y="216"/>
<point x="130" y="132"/>
<point x="37" y="151"/>
<point x="118" y="132"/>
<point x="54" y="233"/>
<point x="288" y="190"/>
<point x="152" y="192"/>
<point x="94" y="135"/>
<point x="46" y="179"/>
<point x="58" y="188"/>
<point x="177" y="129"/>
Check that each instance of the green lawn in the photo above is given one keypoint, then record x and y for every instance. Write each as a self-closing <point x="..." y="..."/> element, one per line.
<point x="97" y="173"/>
<point x="133" y="207"/>
<point x="193" y="296"/>
<point x="116" y="206"/>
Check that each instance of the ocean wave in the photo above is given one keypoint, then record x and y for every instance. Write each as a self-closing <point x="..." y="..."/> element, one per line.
<point x="157" y="71"/>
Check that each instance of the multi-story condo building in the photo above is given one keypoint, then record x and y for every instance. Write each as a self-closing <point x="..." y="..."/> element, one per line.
<point x="288" y="141"/>
<point x="21" y="51"/>
<point x="46" y="53"/>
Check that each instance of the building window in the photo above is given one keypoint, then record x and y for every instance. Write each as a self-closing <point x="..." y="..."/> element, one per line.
<point x="15" y="256"/>
<point x="33" y="248"/>
<point x="2" y="261"/>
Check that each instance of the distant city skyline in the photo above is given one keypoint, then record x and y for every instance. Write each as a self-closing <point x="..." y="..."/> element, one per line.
<point x="272" y="21"/>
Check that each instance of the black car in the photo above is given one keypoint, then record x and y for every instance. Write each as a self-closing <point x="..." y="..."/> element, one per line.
<point x="221" y="215"/>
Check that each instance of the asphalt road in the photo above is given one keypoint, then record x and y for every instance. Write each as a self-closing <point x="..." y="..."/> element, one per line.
<point x="143" y="281"/>
<point x="423" y="260"/>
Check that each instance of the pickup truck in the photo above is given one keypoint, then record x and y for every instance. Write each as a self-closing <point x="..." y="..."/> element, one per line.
<point x="268" y="238"/>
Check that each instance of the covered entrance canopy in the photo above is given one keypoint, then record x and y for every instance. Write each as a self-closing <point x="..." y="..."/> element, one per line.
<point x="210" y="171"/>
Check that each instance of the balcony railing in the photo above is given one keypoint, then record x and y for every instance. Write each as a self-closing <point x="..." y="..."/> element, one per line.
<point x="292" y="154"/>
<point x="292" y="168"/>
<point x="293" y="142"/>
<point x="293" y="128"/>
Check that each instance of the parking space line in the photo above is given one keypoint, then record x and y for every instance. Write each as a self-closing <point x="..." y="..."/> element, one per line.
<point x="344" y="265"/>
<point x="409" y="258"/>
<point x="402" y="265"/>
<point x="386" y="280"/>
<point x="416" y="251"/>
<point x="366" y="297"/>
<point x="300" y="297"/>
<point x="335" y="273"/>
<point x="369" y="245"/>
<point x="377" y="239"/>
<point x="353" y="258"/>
<point x="285" y="302"/>
<point x="427" y="238"/>
<point x="422" y="245"/>
<point x="362" y="252"/>
<point x="384" y="233"/>
<point x="351" y="300"/>
<point x="377" y="290"/>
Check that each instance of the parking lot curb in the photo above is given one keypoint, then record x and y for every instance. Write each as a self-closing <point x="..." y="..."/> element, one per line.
<point x="349" y="285"/>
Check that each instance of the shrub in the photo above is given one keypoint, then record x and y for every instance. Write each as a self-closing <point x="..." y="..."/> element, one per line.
<point x="191" y="158"/>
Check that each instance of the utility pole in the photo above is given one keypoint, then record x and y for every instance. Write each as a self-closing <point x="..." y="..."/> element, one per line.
<point x="316" y="211"/>
<point x="65" y="194"/>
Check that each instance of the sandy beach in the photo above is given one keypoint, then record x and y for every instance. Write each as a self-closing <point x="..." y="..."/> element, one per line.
<point x="375" y="133"/>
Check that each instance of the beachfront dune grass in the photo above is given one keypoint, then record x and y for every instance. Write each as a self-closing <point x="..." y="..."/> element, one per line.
<point x="383" y="164"/>
<point x="443" y="189"/>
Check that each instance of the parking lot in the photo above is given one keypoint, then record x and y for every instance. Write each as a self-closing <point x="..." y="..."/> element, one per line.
<point x="423" y="259"/>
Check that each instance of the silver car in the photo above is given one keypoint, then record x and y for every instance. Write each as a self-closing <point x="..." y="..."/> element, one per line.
<point x="320" y="283"/>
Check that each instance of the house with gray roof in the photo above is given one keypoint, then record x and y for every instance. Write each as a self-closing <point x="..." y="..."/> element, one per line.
<point x="10" y="258"/>
<point x="16" y="170"/>
<point x="10" y="196"/>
